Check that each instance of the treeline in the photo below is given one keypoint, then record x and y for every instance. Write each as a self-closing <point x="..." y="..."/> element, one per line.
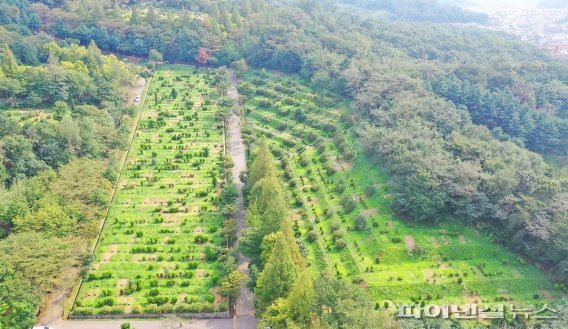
<point x="177" y="29"/>
<point x="444" y="167"/>
<point x="421" y="11"/>
<point x="30" y="146"/>
<point x="285" y="294"/>
<point x="75" y="75"/>
<point x="57" y="164"/>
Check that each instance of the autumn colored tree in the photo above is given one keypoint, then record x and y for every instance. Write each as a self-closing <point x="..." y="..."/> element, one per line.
<point x="202" y="56"/>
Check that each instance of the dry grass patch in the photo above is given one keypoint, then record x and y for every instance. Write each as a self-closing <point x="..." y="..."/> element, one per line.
<point x="122" y="283"/>
<point x="428" y="275"/>
<point x="370" y="212"/>
<point x="410" y="243"/>
<point x="547" y="295"/>
<point x="112" y="251"/>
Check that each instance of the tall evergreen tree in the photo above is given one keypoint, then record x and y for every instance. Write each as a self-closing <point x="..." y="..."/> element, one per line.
<point x="301" y="301"/>
<point x="292" y="245"/>
<point x="263" y="164"/>
<point x="9" y="63"/>
<point x="278" y="277"/>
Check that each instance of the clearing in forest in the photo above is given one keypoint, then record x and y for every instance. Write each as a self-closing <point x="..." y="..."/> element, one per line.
<point x="344" y="217"/>
<point x="158" y="249"/>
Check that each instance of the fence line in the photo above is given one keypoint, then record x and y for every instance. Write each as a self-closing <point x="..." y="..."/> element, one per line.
<point x="200" y="316"/>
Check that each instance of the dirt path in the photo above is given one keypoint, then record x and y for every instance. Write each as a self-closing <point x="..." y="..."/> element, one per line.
<point x="136" y="92"/>
<point x="245" y="304"/>
<point x="54" y="303"/>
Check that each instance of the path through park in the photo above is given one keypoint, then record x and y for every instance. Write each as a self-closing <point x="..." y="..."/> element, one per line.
<point x="245" y="305"/>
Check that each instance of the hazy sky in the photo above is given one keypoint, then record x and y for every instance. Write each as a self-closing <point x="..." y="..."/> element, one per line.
<point x="507" y="2"/>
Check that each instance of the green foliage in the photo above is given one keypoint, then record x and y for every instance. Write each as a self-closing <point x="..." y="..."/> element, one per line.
<point x="278" y="277"/>
<point x="76" y="74"/>
<point x="37" y="258"/>
<point x="263" y="164"/>
<point x="229" y="193"/>
<point x="231" y="284"/>
<point x="18" y="301"/>
<point x="48" y="217"/>
<point x="301" y="300"/>
<point x="348" y="305"/>
<point x="165" y="205"/>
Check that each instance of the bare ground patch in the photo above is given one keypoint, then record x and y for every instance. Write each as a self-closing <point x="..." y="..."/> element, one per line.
<point x="428" y="275"/>
<point x="126" y="301"/>
<point x="200" y="273"/>
<point x="219" y="299"/>
<point x="111" y="252"/>
<point x="410" y="243"/>
<point x="155" y="201"/>
<point x="434" y="242"/>
<point x="547" y="295"/>
<point x="122" y="283"/>
<point x="471" y="299"/>
<point x="94" y="293"/>
<point x="170" y="219"/>
<point x="342" y="165"/>
<point x="370" y="212"/>
<point x="462" y="239"/>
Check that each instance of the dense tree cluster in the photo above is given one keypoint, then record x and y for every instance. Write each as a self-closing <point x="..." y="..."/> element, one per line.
<point x="30" y="147"/>
<point x="535" y="114"/>
<point x="17" y="16"/>
<point x="177" y="29"/>
<point x="56" y="164"/>
<point x="74" y="75"/>
<point x="50" y="218"/>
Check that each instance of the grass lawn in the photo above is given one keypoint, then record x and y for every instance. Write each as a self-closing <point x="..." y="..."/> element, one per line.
<point x="342" y="214"/>
<point x="157" y="251"/>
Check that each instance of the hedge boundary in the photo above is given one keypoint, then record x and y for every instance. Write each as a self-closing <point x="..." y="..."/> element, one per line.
<point x="199" y="316"/>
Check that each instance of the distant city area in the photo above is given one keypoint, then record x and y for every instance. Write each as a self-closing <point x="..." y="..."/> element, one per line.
<point x="545" y="27"/>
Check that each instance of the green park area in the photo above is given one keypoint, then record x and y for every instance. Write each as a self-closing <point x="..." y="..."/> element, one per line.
<point x="343" y="217"/>
<point x="158" y="250"/>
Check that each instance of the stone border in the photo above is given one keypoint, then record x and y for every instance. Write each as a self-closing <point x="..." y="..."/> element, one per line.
<point x="199" y="316"/>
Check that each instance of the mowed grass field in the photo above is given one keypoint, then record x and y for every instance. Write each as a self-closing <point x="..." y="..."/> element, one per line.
<point x="157" y="251"/>
<point x="342" y="214"/>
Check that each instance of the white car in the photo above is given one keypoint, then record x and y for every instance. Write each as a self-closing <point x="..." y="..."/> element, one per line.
<point x="137" y="99"/>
